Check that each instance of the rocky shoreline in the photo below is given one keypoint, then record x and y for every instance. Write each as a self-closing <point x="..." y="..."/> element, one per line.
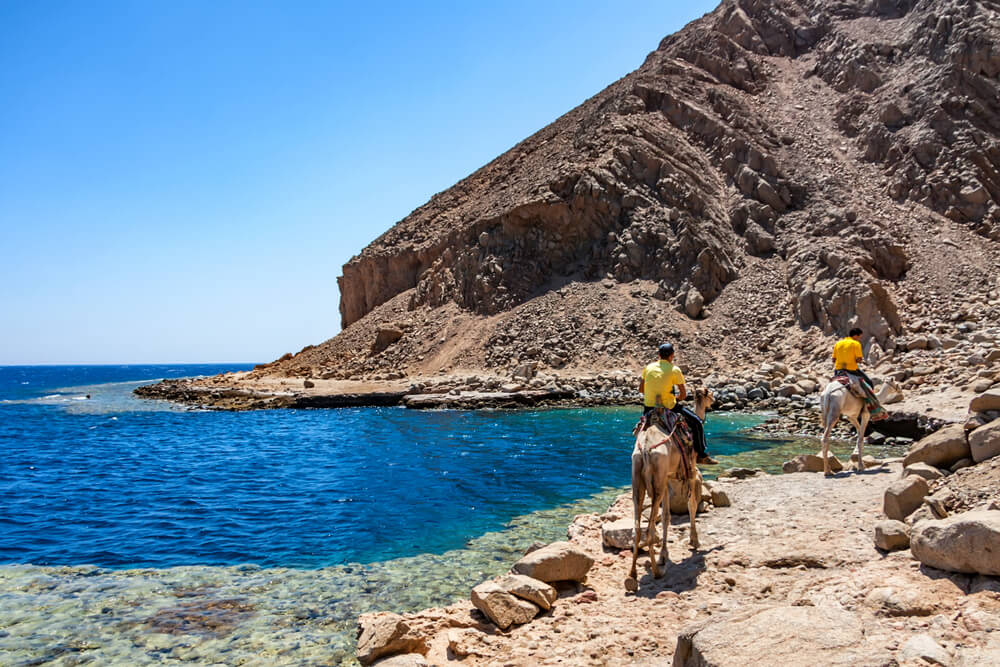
<point x="793" y="569"/>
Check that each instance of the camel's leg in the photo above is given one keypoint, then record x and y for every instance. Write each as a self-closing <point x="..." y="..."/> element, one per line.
<point x="694" y="498"/>
<point x="657" y="499"/>
<point x="862" y="427"/>
<point x="638" y="496"/>
<point x="831" y="420"/>
<point x="665" y="508"/>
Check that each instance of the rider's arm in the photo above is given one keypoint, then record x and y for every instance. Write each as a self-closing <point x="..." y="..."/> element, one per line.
<point x="642" y="385"/>
<point x="682" y="393"/>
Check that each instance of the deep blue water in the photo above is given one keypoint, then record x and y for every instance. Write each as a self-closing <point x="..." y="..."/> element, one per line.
<point x="120" y="482"/>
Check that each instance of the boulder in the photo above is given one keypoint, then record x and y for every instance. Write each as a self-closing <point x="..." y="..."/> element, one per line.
<point x="988" y="400"/>
<point x="501" y="607"/>
<point x="693" y="303"/>
<point x="900" y="601"/>
<point x="810" y="463"/>
<point x="891" y="535"/>
<point x="384" y="633"/>
<point x="405" y="660"/>
<point x="786" y="636"/>
<point x="922" y="649"/>
<point x="904" y="496"/>
<point x="720" y="498"/>
<point x="967" y="542"/>
<point x="559" y="561"/>
<point x="928" y="472"/>
<point x="385" y="337"/>
<point x="984" y="442"/>
<point x="961" y="463"/>
<point x="618" y="534"/>
<point x="941" y="448"/>
<point x="527" y="588"/>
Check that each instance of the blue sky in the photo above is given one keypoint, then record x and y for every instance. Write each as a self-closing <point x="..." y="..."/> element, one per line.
<point x="182" y="181"/>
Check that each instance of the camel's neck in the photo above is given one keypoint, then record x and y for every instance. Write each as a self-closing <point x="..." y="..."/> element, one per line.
<point x="700" y="409"/>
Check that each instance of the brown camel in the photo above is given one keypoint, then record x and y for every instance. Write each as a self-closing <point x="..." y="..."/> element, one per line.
<point x="656" y="459"/>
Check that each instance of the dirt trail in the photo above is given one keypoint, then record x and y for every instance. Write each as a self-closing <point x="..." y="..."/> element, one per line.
<point x="794" y="540"/>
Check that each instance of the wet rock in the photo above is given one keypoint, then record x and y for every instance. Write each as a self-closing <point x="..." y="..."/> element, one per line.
<point x="501" y="607"/>
<point x="984" y="442"/>
<point x="559" y="561"/>
<point x="941" y="448"/>
<point x="785" y="635"/>
<point x="527" y="588"/>
<point x="904" y="496"/>
<point x="891" y="535"/>
<point x="968" y="542"/>
<point x="384" y="633"/>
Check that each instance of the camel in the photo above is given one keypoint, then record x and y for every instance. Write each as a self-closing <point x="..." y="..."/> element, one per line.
<point x="837" y="401"/>
<point x="656" y="459"/>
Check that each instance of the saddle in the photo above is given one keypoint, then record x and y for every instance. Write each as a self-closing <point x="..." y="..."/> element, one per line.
<point x="855" y="385"/>
<point x="677" y="430"/>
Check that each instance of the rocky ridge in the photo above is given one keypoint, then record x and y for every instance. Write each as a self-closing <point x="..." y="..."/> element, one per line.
<point x="771" y="175"/>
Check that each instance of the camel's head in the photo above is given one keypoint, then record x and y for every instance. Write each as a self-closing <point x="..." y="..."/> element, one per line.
<point x="703" y="395"/>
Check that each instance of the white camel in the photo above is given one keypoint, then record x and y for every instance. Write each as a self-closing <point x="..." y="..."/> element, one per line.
<point x="837" y="401"/>
<point x="656" y="459"/>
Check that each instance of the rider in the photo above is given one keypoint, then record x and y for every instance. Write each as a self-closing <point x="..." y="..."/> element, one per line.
<point x="847" y="353"/>
<point x="657" y="382"/>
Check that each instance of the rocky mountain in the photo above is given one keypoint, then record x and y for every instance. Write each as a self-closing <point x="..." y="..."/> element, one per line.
<point x="772" y="174"/>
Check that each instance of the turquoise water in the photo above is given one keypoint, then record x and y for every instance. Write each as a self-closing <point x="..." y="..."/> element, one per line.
<point x="119" y="482"/>
<point x="137" y="532"/>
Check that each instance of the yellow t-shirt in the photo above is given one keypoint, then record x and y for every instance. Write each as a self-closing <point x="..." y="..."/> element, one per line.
<point x="846" y="353"/>
<point x="660" y="378"/>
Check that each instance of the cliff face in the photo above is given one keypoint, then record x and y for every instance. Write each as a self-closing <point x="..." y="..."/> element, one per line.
<point x="802" y="155"/>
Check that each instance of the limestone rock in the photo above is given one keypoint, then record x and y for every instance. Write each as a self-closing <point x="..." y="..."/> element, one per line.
<point x="559" y="561"/>
<point x="928" y="472"/>
<point x="903" y="496"/>
<point x="528" y="588"/>
<point x="968" y="542"/>
<point x="891" y="535"/>
<point x="810" y="463"/>
<point x="501" y="607"/>
<point x="941" y="448"/>
<point x="384" y="633"/>
<point x="984" y="442"/>
<point x="787" y="636"/>
<point x="923" y="647"/>
<point x="988" y="400"/>
<point x="618" y="534"/>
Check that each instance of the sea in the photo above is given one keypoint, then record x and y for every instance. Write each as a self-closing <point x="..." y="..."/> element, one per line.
<point x="135" y="531"/>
